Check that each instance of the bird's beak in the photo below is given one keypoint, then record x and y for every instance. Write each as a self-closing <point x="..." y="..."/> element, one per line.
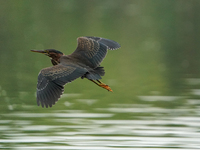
<point x="40" y="51"/>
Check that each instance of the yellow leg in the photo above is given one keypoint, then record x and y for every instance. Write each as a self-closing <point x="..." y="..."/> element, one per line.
<point x="103" y="85"/>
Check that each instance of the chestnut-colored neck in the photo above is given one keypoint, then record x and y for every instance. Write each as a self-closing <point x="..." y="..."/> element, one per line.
<point x="55" y="58"/>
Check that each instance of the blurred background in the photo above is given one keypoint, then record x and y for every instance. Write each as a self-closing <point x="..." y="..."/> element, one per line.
<point x="154" y="75"/>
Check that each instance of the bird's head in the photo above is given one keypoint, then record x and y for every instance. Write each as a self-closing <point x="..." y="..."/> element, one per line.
<point x="52" y="53"/>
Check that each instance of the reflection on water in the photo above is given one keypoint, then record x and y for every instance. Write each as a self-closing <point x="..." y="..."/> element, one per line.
<point x="143" y="127"/>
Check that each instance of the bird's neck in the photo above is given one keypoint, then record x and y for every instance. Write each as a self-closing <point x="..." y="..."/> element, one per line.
<point x="55" y="59"/>
<point x="55" y="62"/>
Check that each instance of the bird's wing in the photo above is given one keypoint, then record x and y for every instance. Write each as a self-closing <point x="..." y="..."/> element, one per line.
<point x="51" y="82"/>
<point x="92" y="50"/>
<point x="111" y="45"/>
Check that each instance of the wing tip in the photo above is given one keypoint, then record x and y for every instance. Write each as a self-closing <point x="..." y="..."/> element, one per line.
<point x="114" y="48"/>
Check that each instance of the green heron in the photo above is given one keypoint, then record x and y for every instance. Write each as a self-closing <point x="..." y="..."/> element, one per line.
<point x="84" y="62"/>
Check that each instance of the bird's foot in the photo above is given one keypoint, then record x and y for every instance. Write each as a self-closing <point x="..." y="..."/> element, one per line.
<point x="103" y="85"/>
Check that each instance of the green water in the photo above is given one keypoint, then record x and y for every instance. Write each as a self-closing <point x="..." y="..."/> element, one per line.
<point x="154" y="75"/>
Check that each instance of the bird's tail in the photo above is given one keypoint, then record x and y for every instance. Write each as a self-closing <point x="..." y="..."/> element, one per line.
<point x="100" y="71"/>
<point x="95" y="74"/>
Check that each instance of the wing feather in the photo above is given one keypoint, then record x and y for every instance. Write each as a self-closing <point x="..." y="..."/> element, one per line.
<point x="111" y="45"/>
<point x="51" y="82"/>
<point x="92" y="50"/>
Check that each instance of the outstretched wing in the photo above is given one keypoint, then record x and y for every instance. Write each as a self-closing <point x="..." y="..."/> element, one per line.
<point x="111" y="45"/>
<point x="51" y="82"/>
<point x="92" y="50"/>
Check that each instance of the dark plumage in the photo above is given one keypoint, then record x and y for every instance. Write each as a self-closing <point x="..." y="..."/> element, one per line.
<point x="84" y="62"/>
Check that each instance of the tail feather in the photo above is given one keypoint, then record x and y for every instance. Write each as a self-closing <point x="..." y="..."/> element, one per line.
<point x="100" y="71"/>
<point x="95" y="74"/>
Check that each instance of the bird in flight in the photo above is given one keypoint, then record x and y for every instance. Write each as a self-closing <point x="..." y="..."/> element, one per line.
<point x="84" y="62"/>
